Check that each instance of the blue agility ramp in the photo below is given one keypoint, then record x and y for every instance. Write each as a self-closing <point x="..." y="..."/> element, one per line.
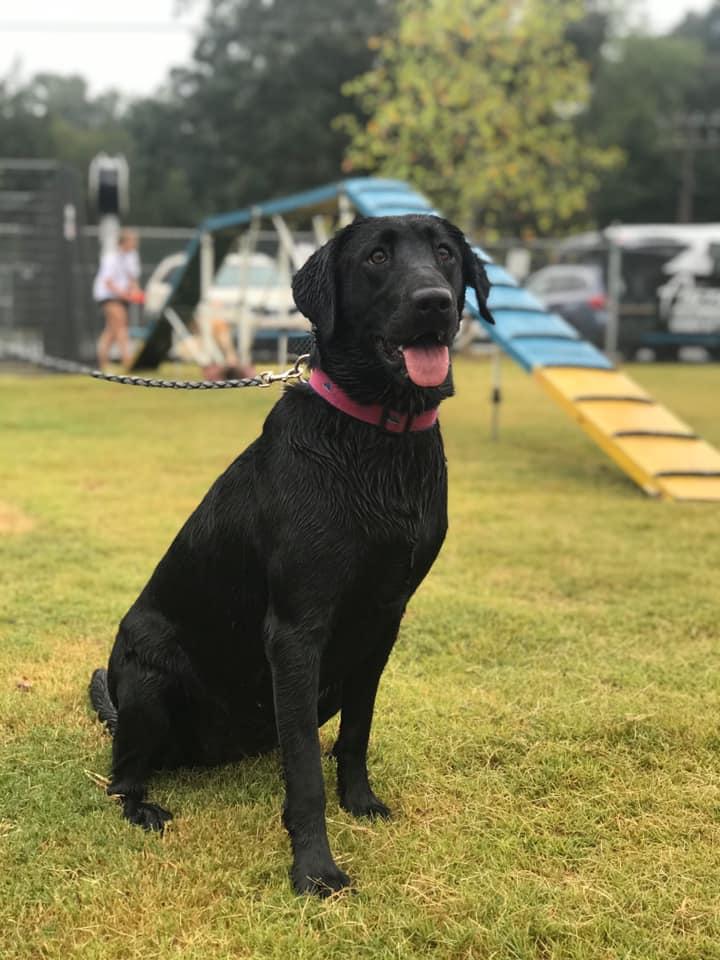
<point x="662" y="454"/>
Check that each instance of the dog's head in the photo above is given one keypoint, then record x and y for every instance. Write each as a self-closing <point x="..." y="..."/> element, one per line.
<point x="385" y="297"/>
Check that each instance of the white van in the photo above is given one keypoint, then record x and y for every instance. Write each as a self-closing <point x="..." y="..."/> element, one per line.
<point x="670" y="283"/>
<point x="690" y="299"/>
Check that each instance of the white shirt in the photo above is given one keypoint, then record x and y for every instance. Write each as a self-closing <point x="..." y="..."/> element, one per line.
<point x="121" y="267"/>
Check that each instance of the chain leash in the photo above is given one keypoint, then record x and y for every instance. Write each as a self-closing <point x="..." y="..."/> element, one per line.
<point x="264" y="379"/>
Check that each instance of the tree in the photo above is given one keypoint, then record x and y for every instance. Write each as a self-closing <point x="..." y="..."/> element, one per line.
<point x="703" y="27"/>
<point x="702" y="103"/>
<point x="52" y="117"/>
<point x="256" y="105"/>
<point x="250" y="117"/>
<point x="646" y="82"/>
<point x="160" y="164"/>
<point x="473" y="100"/>
<point x="23" y="133"/>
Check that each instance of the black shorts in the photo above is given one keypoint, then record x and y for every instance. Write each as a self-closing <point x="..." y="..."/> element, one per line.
<point x="112" y="300"/>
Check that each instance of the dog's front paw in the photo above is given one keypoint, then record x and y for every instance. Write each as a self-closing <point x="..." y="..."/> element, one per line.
<point x="149" y="816"/>
<point x="321" y="880"/>
<point x="364" y="803"/>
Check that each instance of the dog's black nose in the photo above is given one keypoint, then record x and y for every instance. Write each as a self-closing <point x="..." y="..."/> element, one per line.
<point x="432" y="300"/>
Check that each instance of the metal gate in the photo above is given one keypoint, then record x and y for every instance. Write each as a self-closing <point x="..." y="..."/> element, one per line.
<point x="45" y="300"/>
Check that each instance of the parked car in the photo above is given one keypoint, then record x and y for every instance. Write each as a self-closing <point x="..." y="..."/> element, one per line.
<point x="577" y="293"/>
<point x="248" y="306"/>
<point x="253" y="282"/>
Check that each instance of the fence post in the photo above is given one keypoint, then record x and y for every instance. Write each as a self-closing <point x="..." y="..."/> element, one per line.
<point x="614" y="283"/>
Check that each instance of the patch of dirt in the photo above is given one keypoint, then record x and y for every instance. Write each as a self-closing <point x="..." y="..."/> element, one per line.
<point x="13" y="520"/>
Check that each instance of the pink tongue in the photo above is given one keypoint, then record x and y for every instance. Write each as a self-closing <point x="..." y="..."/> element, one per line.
<point x="427" y="366"/>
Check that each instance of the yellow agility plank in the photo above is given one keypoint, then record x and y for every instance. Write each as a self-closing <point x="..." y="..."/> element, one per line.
<point x="690" y="488"/>
<point x="658" y="455"/>
<point x="618" y="416"/>
<point x="660" y="452"/>
<point x="574" y="383"/>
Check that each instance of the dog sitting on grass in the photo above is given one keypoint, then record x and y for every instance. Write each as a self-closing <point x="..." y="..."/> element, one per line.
<point x="279" y="601"/>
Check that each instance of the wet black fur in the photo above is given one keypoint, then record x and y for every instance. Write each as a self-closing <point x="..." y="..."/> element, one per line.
<point x="280" y="599"/>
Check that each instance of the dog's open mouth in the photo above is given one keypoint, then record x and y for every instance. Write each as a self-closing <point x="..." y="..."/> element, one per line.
<point x="426" y="359"/>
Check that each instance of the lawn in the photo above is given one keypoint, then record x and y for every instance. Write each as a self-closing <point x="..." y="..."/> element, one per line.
<point x="546" y="731"/>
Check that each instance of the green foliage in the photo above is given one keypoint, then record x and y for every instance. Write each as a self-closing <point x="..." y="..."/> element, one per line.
<point x="512" y="115"/>
<point x="53" y="117"/>
<point x="704" y="97"/>
<point x="250" y="117"/>
<point x="161" y="189"/>
<point x="546" y="731"/>
<point x="473" y="101"/>
<point x="647" y="80"/>
<point x="257" y="103"/>
<point x="703" y="27"/>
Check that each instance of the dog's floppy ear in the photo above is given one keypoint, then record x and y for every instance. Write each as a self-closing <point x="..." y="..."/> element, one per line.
<point x="313" y="289"/>
<point x="475" y="276"/>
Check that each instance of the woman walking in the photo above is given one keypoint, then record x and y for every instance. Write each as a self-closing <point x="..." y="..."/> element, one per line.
<point x="115" y="282"/>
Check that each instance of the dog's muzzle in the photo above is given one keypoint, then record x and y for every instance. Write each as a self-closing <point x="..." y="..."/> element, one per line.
<point x="426" y="353"/>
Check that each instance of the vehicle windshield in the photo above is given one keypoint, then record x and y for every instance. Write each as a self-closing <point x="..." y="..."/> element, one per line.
<point x="255" y="275"/>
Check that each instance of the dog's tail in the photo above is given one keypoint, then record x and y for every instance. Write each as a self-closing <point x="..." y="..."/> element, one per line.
<point x="100" y="699"/>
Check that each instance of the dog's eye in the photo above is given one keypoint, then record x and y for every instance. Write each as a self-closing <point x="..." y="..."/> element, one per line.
<point x="378" y="256"/>
<point x="444" y="252"/>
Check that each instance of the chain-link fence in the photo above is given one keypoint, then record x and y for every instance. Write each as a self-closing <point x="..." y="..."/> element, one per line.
<point x="44" y="259"/>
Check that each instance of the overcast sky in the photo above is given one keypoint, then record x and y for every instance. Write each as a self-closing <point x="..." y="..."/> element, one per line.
<point x="130" y="46"/>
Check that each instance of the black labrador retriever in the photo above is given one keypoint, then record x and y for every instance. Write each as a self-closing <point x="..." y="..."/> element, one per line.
<point x="279" y="601"/>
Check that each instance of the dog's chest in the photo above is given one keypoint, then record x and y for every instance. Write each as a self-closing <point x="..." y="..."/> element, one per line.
<point x="371" y="507"/>
<point x="395" y="490"/>
<point x="397" y="517"/>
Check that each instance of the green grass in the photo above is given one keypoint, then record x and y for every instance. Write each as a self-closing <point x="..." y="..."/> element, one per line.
<point x="546" y="731"/>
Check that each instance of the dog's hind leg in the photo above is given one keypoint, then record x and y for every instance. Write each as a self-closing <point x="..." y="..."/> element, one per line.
<point x="141" y="737"/>
<point x="101" y="701"/>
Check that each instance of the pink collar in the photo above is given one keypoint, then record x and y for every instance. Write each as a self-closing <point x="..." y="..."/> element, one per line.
<point x="373" y="413"/>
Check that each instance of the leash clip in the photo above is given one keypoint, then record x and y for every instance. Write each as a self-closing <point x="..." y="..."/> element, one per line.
<point x="267" y="377"/>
